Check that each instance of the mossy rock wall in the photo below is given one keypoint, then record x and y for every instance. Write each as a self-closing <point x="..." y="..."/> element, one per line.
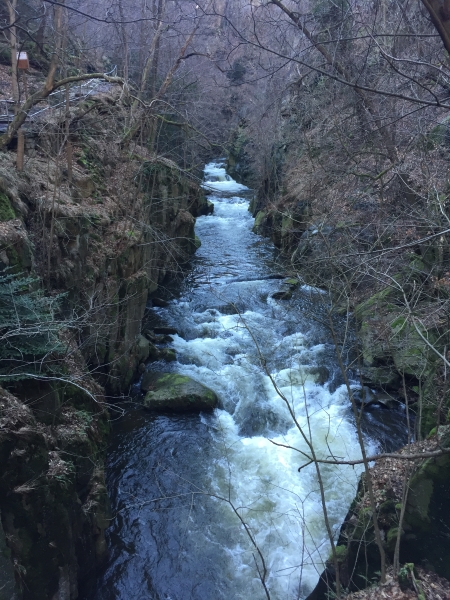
<point x="424" y="539"/>
<point x="393" y="347"/>
<point x="107" y="253"/>
<point x="105" y="264"/>
<point x="284" y="229"/>
<point x="427" y="518"/>
<point x="239" y="164"/>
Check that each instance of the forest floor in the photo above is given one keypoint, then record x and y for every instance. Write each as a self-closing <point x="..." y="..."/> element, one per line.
<point x="425" y="585"/>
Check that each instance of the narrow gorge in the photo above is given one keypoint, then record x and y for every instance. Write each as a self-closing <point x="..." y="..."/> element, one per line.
<point x="224" y="300"/>
<point x="180" y="485"/>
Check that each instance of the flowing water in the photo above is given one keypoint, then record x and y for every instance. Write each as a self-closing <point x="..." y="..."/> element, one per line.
<point x="198" y="499"/>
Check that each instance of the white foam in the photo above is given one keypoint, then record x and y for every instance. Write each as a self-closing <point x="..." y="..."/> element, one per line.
<point x="260" y="474"/>
<point x="282" y="506"/>
<point x="216" y="179"/>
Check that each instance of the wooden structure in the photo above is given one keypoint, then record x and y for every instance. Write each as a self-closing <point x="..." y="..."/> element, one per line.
<point x="22" y="60"/>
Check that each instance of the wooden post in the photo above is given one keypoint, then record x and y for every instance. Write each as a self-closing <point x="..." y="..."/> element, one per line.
<point x="20" y="149"/>
<point x="25" y="84"/>
<point x="22" y="63"/>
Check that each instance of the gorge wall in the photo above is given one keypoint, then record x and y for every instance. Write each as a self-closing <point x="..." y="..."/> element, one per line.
<point x="104" y="236"/>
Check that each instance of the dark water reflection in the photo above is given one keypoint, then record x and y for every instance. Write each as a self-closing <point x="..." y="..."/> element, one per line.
<point x="158" y="537"/>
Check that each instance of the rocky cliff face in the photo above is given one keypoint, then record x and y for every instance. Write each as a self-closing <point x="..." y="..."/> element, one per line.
<point x="424" y="521"/>
<point x="104" y="234"/>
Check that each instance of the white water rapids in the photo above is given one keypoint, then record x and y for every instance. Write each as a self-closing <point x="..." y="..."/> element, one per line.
<point x="174" y="480"/>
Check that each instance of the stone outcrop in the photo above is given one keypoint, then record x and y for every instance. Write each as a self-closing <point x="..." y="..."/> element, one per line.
<point x="176" y="393"/>
<point x="284" y="228"/>
<point x="423" y="541"/>
<point x="54" y="504"/>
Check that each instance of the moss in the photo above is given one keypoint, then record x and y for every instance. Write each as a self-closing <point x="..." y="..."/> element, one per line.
<point x="387" y="507"/>
<point x="391" y="538"/>
<point x="173" y="379"/>
<point x="259" y="220"/>
<point x="172" y="391"/>
<point x="341" y="552"/>
<point x="373" y="304"/>
<point x="6" y="210"/>
<point x="292" y="282"/>
<point x="168" y="354"/>
<point x="210" y="395"/>
<point x="197" y="243"/>
<point x="364" y="527"/>
<point x="421" y="491"/>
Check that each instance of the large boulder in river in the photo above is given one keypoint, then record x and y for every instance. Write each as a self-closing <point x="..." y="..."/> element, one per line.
<point x="179" y="393"/>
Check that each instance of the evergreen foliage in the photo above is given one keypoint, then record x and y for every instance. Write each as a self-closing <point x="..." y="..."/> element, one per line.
<point x="28" y="329"/>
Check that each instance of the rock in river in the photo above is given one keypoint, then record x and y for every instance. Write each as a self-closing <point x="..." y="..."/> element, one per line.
<point x="170" y="391"/>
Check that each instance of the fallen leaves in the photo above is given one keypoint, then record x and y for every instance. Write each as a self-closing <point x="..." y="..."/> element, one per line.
<point x="431" y="585"/>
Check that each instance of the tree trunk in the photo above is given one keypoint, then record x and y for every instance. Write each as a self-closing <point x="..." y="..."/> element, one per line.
<point x="12" y="5"/>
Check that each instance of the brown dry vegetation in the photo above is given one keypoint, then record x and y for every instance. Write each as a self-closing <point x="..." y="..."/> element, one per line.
<point x="426" y="586"/>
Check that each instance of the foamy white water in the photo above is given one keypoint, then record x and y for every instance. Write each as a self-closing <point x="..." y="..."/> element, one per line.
<point x="217" y="179"/>
<point x="177" y="482"/>
<point x="257" y="472"/>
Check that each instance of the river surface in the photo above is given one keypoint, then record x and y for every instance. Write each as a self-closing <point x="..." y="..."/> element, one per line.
<point x="198" y="499"/>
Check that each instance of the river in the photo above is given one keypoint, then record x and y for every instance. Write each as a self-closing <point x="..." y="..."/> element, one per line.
<point x="197" y="498"/>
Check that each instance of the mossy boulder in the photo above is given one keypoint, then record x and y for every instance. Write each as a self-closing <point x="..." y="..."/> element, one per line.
<point x="384" y="376"/>
<point x="178" y="393"/>
<point x="168" y="354"/>
<point x="390" y="343"/>
<point x="259" y="224"/>
<point x="283" y="294"/>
